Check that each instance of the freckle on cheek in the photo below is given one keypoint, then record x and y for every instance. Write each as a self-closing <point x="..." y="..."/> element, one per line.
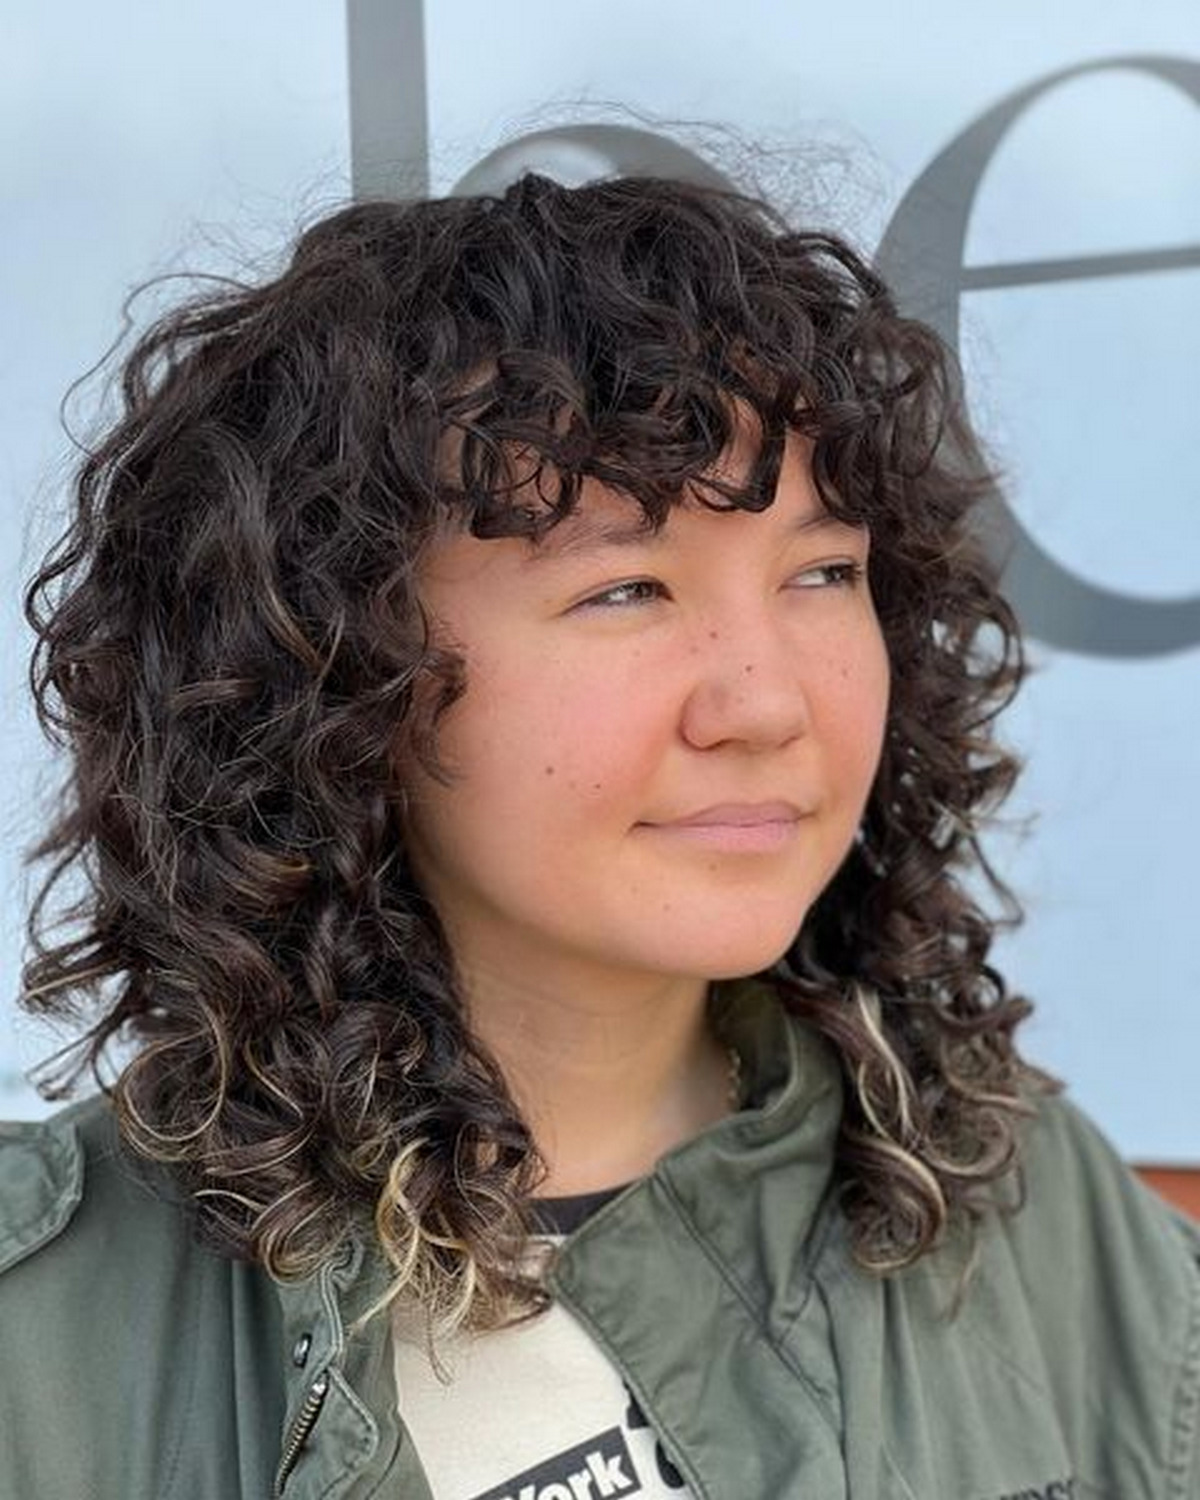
<point x="549" y="770"/>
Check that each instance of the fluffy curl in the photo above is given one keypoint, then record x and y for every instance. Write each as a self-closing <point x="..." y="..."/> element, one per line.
<point x="230" y="641"/>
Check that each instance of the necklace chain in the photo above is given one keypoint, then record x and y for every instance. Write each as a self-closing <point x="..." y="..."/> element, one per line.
<point x="733" y="1095"/>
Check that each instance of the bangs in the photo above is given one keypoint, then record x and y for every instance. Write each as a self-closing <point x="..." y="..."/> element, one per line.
<point x="519" y="443"/>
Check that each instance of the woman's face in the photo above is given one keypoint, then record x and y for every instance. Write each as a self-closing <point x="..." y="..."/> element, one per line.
<point x="666" y="740"/>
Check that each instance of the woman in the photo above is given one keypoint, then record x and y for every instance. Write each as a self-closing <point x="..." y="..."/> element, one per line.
<point x="529" y="679"/>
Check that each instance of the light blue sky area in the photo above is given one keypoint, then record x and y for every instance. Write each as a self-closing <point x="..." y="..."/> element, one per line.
<point x="148" y="138"/>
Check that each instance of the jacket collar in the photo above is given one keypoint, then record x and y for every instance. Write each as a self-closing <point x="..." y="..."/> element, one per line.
<point x="769" y="1164"/>
<point x="773" y="1159"/>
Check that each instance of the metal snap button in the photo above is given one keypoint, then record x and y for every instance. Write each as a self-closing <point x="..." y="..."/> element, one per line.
<point x="300" y="1350"/>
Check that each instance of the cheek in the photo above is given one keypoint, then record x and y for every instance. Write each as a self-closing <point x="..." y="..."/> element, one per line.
<point x="855" y="699"/>
<point x="590" y="734"/>
<point x="872" y="707"/>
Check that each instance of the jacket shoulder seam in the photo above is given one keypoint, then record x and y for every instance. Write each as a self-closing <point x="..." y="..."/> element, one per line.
<point x="53" y="1161"/>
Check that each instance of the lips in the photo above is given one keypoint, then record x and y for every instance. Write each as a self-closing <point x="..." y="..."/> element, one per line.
<point x="735" y="815"/>
<point x="731" y="828"/>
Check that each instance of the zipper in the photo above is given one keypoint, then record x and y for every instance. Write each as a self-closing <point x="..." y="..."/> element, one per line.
<point x="306" y="1420"/>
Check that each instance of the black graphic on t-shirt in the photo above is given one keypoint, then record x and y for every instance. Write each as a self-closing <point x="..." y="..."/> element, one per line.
<point x="592" y="1470"/>
<point x="635" y="1417"/>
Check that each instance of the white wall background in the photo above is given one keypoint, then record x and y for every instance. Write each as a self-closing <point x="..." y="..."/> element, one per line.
<point x="139" y="138"/>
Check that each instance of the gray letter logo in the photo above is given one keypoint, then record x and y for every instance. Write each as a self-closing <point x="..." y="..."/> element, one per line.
<point x="921" y="255"/>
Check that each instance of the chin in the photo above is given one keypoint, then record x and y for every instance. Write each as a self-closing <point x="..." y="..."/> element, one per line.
<point x="737" y="959"/>
<point x="746" y="970"/>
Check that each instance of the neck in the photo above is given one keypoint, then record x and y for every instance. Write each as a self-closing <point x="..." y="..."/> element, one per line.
<point x="608" y="1075"/>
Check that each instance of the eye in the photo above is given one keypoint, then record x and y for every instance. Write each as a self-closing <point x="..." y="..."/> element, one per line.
<point x="625" y="595"/>
<point x="829" y="575"/>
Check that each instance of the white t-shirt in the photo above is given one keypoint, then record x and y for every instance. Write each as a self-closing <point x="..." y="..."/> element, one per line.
<point x="532" y="1412"/>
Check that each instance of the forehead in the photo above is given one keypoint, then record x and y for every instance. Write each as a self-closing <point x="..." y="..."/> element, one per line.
<point x="608" y="520"/>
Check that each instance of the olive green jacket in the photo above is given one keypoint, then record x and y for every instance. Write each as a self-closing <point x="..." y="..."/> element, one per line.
<point x="135" y="1365"/>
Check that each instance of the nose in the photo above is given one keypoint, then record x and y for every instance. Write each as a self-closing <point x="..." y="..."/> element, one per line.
<point x="749" y="685"/>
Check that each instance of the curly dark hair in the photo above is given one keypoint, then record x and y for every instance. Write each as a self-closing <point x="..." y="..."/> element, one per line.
<point x="230" y="637"/>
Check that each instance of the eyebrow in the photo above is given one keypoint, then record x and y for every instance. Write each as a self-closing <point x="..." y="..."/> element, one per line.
<point x="590" y="537"/>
